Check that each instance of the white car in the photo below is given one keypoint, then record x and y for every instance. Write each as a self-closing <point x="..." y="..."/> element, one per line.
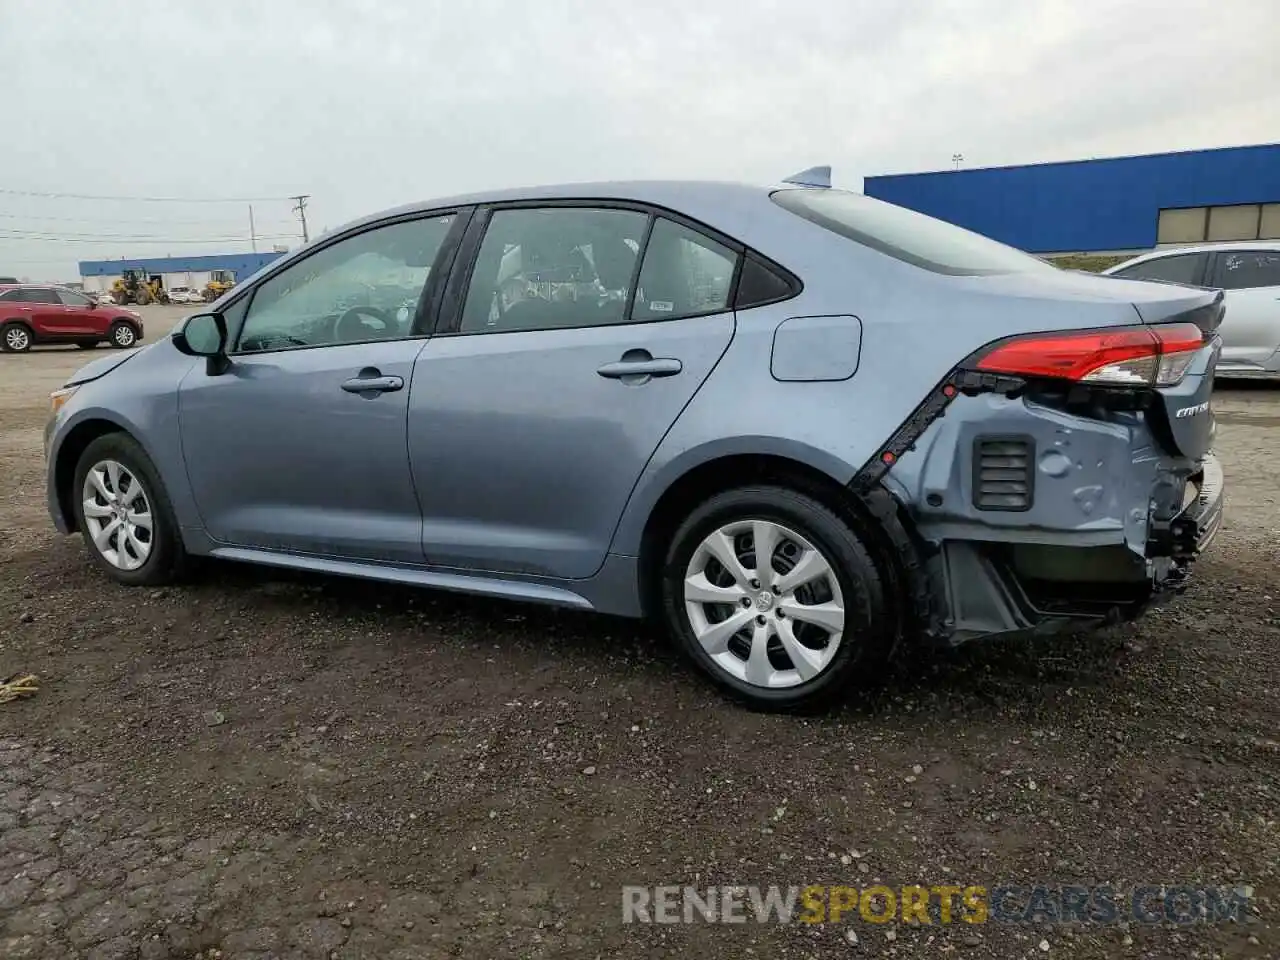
<point x="1249" y="273"/>
<point x="185" y="295"/>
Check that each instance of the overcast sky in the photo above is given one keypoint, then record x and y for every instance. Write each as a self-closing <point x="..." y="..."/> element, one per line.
<point x="366" y="105"/>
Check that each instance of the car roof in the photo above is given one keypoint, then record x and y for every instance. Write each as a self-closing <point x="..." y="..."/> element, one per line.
<point x="700" y="199"/>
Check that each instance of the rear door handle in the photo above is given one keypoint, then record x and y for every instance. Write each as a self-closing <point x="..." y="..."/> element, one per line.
<point x="637" y="366"/>
<point x="373" y="384"/>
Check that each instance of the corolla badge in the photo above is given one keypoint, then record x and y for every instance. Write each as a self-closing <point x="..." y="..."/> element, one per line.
<point x="1192" y="411"/>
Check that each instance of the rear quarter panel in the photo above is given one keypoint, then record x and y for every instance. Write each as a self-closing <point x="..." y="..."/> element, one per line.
<point x="916" y="326"/>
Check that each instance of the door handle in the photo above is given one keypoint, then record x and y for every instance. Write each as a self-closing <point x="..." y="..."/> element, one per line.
<point x="373" y="384"/>
<point x="638" y="369"/>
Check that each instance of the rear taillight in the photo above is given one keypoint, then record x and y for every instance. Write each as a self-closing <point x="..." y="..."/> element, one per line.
<point x="1127" y="356"/>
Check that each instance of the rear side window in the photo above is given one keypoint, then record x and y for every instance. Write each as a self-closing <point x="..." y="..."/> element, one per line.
<point x="1248" y="269"/>
<point x="761" y="283"/>
<point x="11" y="296"/>
<point x="906" y="235"/>
<point x="1179" y="268"/>
<point x="684" y="274"/>
<point x="41" y="295"/>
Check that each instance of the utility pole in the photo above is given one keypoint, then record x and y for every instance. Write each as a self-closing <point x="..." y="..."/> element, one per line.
<point x="253" y="236"/>
<point x="301" y="210"/>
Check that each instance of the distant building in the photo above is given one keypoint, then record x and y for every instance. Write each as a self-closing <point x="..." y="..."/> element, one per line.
<point x="1115" y="205"/>
<point x="97" y="276"/>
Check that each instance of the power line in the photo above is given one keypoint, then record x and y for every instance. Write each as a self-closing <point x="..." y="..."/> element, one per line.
<point x="15" y="233"/>
<point x="117" y="240"/>
<point x="92" y="196"/>
<point x="160" y="220"/>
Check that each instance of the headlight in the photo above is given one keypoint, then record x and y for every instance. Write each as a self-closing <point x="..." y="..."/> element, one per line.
<point x="59" y="397"/>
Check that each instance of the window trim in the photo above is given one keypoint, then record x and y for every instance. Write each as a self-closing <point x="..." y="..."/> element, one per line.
<point x="1201" y="276"/>
<point x="417" y="329"/>
<point x="1213" y="276"/>
<point x="449" y="317"/>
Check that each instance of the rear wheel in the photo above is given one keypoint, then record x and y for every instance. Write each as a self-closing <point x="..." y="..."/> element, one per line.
<point x="775" y="598"/>
<point x="15" y="338"/>
<point x="123" y="334"/>
<point x="123" y="512"/>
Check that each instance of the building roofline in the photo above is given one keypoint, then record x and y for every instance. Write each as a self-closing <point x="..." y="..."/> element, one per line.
<point x="1080" y="162"/>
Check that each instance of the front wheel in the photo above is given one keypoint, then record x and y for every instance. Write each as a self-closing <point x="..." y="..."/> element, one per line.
<point x="123" y="335"/>
<point x="775" y="598"/>
<point x="124" y="513"/>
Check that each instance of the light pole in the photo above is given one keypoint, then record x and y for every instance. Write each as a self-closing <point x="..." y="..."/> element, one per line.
<point x="956" y="158"/>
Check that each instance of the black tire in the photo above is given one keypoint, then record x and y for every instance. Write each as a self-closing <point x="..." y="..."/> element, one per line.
<point x="87" y="345"/>
<point x="123" y="330"/>
<point x="168" y="560"/>
<point x="867" y="632"/>
<point x="16" y="337"/>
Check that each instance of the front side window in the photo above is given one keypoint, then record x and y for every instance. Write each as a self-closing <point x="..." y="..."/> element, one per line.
<point x="1249" y="269"/>
<point x="366" y="287"/>
<point x="70" y="298"/>
<point x="906" y="235"/>
<point x="1180" y="268"/>
<point x="555" y="267"/>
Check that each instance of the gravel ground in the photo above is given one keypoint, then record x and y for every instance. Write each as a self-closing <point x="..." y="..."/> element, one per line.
<point x="267" y="765"/>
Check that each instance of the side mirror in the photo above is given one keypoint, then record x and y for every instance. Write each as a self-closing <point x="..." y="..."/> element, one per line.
<point x="205" y="335"/>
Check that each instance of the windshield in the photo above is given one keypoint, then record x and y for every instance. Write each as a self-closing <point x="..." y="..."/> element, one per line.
<point x="907" y="235"/>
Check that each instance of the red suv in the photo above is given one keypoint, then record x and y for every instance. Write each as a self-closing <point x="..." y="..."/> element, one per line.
<point x="40" y="314"/>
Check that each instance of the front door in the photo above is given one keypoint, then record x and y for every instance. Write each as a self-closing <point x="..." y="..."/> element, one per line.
<point x="1251" y="326"/>
<point x="79" y="316"/>
<point x="532" y="418"/>
<point x="300" y="445"/>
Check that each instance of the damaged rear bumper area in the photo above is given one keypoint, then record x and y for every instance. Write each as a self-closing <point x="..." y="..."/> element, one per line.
<point x="1034" y="516"/>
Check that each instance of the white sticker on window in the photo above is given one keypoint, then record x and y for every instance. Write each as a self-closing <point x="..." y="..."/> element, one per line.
<point x="661" y="306"/>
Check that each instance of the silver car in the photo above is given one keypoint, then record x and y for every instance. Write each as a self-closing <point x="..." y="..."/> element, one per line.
<point x="1249" y="273"/>
<point x="798" y="426"/>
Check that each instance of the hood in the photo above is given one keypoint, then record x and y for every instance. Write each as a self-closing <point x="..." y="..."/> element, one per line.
<point x="104" y="365"/>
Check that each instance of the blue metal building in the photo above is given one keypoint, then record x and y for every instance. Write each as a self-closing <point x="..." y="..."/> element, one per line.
<point x="241" y="264"/>
<point x="1118" y="204"/>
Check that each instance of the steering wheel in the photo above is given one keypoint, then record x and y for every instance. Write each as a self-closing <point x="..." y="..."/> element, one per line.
<point x="351" y="327"/>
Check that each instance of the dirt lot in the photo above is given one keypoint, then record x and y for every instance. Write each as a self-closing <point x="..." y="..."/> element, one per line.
<point x="268" y="765"/>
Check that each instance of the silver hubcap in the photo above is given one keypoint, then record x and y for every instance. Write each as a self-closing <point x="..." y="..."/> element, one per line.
<point x="124" y="335"/>
<point x="764" y="603"/>
<point x="17" y="338"/>
<point x="117" y="515"/>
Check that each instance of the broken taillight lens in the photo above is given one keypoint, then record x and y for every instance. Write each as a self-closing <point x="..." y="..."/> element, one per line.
<point x="1125" y="356"/>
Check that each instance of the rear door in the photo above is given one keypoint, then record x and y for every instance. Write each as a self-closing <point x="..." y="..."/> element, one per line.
<point x="48" y="313"/>
<point x="578" y="336"/>
<point x="1251" y="279"/>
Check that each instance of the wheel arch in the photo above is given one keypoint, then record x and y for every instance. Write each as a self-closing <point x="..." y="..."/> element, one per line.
<point x="877" y="518"/>
<point x="70" y="449"/>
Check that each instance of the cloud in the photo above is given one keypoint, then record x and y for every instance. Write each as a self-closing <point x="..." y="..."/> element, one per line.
<point x="364" y="105"/>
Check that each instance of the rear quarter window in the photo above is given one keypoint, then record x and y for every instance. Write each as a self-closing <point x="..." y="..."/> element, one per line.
<point x="906" y="235"/>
